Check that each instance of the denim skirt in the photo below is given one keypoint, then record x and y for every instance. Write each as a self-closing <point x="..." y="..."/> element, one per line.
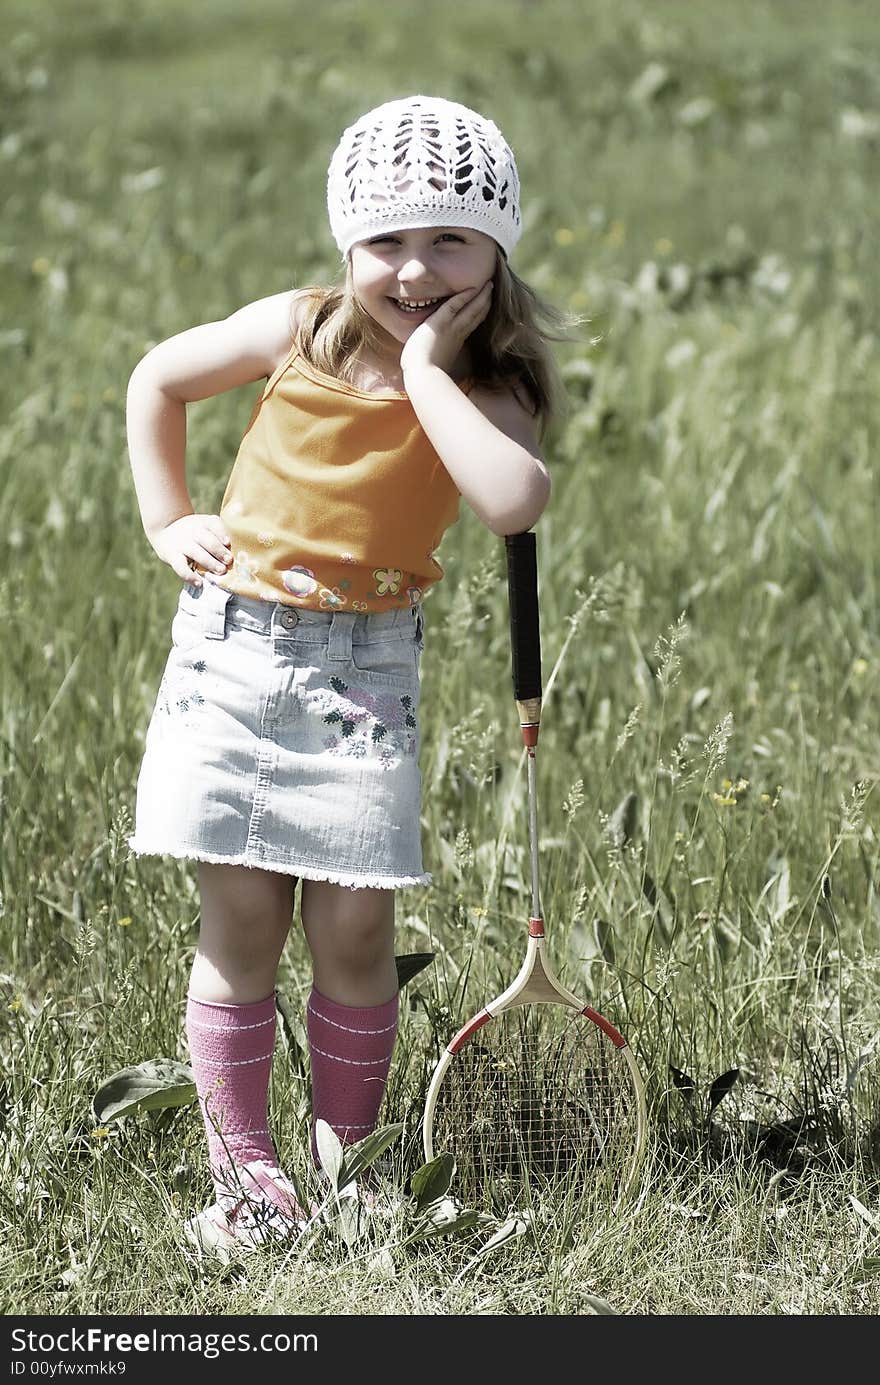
<point x="286" y="739"/>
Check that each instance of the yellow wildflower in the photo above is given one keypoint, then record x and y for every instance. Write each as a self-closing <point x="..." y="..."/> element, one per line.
<point x="101" y="1132"/>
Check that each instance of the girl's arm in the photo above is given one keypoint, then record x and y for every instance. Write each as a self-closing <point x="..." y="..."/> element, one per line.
<point x="488" y="445"/>
<point x="486" y="441"/>
<point x="196" y="364"/>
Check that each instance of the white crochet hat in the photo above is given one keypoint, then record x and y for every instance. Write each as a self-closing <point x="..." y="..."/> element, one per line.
<point x="422" y="161"/>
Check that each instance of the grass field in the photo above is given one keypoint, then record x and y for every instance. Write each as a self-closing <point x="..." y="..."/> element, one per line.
<point x="699" y="180"/>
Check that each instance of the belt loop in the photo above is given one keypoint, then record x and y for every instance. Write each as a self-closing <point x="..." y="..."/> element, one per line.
<point x="339" y="637"/>
<point x="213" y="605"/>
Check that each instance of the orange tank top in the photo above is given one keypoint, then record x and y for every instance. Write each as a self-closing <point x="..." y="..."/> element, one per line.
<point x="337" y="499"/>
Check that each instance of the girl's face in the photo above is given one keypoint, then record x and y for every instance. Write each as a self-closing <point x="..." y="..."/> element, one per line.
<point x="390" y="271"/>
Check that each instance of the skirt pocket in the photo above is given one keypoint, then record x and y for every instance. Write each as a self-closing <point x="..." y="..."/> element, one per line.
<point x="186" y="630"/>
<point x="392" y="662"/>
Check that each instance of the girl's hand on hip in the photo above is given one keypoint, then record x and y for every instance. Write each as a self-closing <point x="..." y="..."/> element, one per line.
<point x="191" y="542"/>
<point x="438" y="340"/>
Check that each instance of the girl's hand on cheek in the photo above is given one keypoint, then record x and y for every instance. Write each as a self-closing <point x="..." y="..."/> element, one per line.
<point x="438" y="340"/>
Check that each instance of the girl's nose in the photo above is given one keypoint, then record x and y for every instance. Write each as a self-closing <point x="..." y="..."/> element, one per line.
<point x="413" y="270"/>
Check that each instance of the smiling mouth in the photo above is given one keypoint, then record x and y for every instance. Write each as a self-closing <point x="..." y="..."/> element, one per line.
<point x="412" y="307"/>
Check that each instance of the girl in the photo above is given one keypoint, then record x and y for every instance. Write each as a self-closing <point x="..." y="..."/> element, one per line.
<point x="284" y="741"/>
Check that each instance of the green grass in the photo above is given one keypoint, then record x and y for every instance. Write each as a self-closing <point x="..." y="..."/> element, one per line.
<point x="709" y="756"/>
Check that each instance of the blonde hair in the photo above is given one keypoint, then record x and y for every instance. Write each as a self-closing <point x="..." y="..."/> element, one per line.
<point x="509" y="349"/>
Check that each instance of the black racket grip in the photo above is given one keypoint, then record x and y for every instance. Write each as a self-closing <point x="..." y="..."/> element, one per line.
<point x="525" y="632"/>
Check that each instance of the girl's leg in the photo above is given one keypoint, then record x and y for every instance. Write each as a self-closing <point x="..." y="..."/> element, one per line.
<point x="245" y="918"/>
<point x="351" y="1018"/>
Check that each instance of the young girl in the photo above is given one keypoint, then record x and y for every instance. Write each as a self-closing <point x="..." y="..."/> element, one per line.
<point x="284" y="742"/>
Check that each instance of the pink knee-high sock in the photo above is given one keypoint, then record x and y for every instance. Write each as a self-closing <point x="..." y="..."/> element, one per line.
<point x="350" y="1049"/>
<point x="231" y="1050"/>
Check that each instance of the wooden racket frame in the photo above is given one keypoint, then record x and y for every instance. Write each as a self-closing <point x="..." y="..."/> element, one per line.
<point x="535" y="983"/>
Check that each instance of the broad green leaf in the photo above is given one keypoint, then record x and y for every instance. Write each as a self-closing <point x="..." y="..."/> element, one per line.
<point x="721" y="1086"/>
<point x="514" y="1226"/>
<point x="601" y="1306"/>
<point x="330" y="1152"/>
<point x="444" y="1211"/>
<point x="517" y="1225"/>
<point x="684" y="1083"/>
<point x="432" y="1180"/>
<point x="147" y="1086"/>
<point x="862" y="1211"/>
<point x="410" y="964"/>
<point x="624" y="819"/>
<point x="345" y="1216"/>
<point x="358" y="1157"/>
<point x="425" y="1230"/>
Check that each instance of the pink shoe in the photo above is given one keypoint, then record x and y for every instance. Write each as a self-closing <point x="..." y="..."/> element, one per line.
<point x="260" y="1208"/>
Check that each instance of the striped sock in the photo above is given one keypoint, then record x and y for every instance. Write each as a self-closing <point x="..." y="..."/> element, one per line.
<point x="231" y="1050"/>
<point x="350" y="1050"/>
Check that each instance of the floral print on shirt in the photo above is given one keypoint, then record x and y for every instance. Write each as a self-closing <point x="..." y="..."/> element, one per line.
<point x="332" y="600"/>
<point x="300" y="581"/>
<point x="387" y="580"/>
<point x="243" y="566"/>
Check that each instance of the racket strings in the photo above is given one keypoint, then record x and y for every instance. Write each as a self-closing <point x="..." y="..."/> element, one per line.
<point x="540" y="1095"/>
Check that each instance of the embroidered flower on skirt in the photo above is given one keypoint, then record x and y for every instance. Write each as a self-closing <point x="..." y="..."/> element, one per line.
<point x="179" y="694"/>
<point x="368" y="721"/>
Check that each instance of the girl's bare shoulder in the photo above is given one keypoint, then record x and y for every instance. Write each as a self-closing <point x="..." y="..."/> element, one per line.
<point x="248" y="345"/>
<point x="282" y="314"/>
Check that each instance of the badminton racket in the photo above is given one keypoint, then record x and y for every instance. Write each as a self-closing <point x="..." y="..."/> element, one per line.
<point x="537" y="1088"/>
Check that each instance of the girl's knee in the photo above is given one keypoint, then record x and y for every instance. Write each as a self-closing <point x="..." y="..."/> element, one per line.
<point x="353" y="928"/>
<point x="338" y="908"/>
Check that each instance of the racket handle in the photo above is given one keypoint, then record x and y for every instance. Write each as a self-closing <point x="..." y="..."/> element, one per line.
<point x="525" y="634"/>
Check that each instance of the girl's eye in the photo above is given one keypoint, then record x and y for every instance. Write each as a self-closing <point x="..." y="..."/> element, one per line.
<point x="393" y="240"/>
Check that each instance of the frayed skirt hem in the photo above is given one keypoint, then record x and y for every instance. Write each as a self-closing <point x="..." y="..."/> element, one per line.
<point x="305" y="872"/>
